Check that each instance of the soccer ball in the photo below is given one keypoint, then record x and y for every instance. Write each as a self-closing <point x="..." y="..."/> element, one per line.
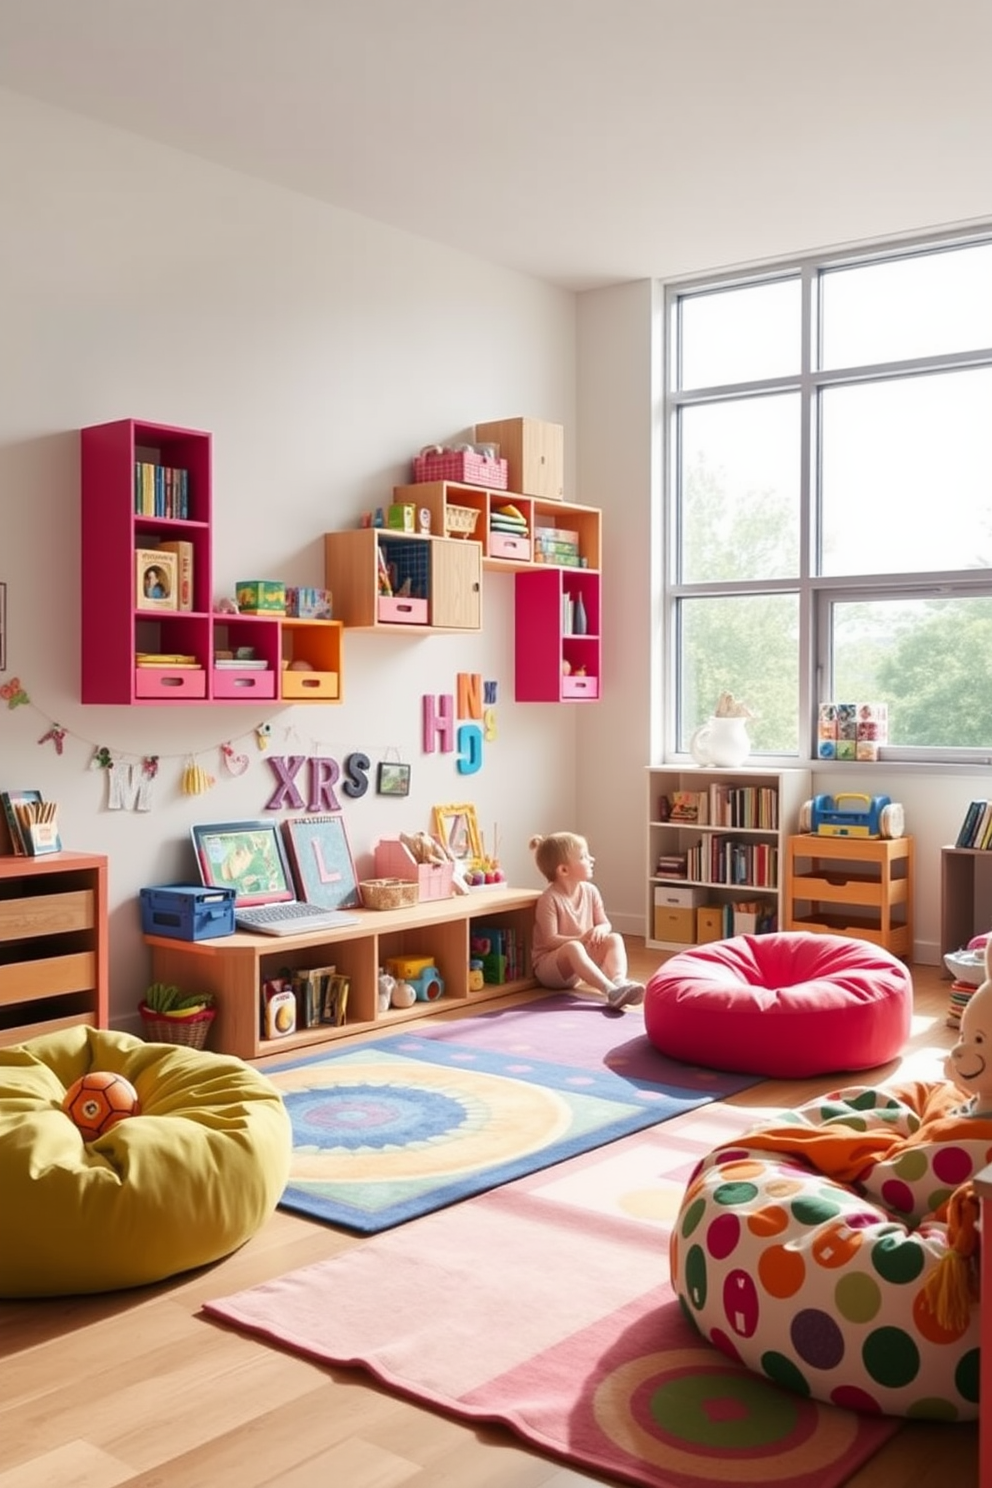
<point x="97" y="1101"/>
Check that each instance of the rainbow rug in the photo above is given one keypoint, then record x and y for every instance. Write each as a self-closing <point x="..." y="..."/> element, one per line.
<point x="545" y="1306"/>
<point x="392" y="1129"/>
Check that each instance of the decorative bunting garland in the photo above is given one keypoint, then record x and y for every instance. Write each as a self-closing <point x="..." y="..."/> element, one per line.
<point x="130" y="777"/>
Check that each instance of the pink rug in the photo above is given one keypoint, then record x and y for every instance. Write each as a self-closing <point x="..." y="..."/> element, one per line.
<point x="545" y="1305"/>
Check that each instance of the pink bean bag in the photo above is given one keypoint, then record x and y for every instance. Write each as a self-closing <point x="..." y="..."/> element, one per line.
<point x="782" y="1005"/>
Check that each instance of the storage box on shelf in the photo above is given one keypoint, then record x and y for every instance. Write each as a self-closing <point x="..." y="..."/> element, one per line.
<point x="857" y="886"/>
<point x="393" y="859"/>
<point x="534" y="452"/>
<point x="448" y="569"/>
<point x="53" y="944"/>
<point x="147" y="487"/>
<point x="234" y="967"/>
<point x="467" y="466"/>
<point x="557" y="642"/>
<point x="717" y="872"/>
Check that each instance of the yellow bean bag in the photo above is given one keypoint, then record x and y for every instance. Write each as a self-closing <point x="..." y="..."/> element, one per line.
<point x="184" y="1183"/>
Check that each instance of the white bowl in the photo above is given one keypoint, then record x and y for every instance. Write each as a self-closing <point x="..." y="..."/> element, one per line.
<point x="966" y="966"/>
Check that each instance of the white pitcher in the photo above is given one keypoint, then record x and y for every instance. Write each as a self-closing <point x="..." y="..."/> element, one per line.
<point x="721" y="741"/>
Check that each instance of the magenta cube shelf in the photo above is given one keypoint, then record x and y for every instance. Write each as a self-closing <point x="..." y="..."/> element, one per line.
<point x="113" y="628"/>
<point x="552" y="665"/>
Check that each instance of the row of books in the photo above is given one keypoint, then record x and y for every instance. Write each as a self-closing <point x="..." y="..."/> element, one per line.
<point x="748" y="917"/>
<point x="976" y="829"/>
<point x="32" y="823"/>
<point x="160" y="490"/>
<point x="726" y="860"/>
<point x="502" y="949"/>
<point x="750" y="807"/>
<point x="321" y="994"/>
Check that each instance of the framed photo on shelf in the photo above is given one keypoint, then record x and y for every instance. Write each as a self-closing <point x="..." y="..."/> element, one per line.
<point x="393" y="779"/>
<point x="156" y="580"/>
<point x="323" y="867"/>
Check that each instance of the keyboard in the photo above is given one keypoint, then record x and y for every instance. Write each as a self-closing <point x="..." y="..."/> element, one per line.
<point x="291" y="918"/>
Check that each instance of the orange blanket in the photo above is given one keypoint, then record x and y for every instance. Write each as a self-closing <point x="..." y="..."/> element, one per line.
<point x="841" y="1151"/>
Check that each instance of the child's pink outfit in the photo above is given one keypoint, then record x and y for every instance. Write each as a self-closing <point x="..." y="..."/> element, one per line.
<point x="556" y="915"/>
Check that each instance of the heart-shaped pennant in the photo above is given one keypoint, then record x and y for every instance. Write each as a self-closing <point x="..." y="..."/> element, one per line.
<point x="237" y="764"/>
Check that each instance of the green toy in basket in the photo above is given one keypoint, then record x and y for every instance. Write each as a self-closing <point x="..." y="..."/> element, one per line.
<point x="171" y="1018"/>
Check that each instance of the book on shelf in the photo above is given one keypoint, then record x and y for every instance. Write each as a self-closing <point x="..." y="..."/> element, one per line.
<point x="184" y="571"/>
<point x="974" y="827"/>
<point x="31" y="822"/>
<point x="689" y="806"/>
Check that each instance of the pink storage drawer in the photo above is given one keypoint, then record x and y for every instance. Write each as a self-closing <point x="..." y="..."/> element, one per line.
<point x="393" y="860"/>
<point x="580" y="687"/>
<point x="506" y="545"/>
<point x="403" y="611"/>
<point x="168" y="685"/>
<point x="230" y="683"/>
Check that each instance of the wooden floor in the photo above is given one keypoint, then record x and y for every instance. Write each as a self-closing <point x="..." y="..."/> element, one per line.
<point x="135" y="1388"/>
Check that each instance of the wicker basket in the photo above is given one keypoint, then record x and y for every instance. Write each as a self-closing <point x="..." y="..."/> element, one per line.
<point x="459" y="521"/>
<point x="389" y="893"/>
<point x="191" y="1031"/>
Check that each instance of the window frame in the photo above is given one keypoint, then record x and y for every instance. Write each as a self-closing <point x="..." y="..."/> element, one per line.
<point x="816" y="593"/>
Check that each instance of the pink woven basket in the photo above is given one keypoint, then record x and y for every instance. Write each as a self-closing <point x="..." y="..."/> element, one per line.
<point x="461" y="465"/>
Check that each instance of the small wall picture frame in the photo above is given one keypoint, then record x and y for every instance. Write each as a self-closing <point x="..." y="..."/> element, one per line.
<point x="393" y="779"/>
<point x="156" y="585"/>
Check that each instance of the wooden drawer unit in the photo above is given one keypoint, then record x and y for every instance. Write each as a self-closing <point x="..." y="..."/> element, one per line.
<point x="857" y="886"/>
<point x="53" y="944"/>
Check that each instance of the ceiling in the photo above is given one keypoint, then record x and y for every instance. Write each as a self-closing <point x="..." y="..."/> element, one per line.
<point x="586" y="142"/>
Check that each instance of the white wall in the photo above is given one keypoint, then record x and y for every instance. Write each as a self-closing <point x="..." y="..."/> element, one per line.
<point x="322" y="351"/>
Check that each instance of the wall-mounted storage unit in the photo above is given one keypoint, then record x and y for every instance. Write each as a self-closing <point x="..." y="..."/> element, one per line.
<point x="431" y="583"/>
<point x="146" y="489"/>
<point x="557" y="644"/>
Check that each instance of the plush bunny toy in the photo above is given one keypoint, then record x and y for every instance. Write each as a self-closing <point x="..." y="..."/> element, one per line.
<point x="969" y="1064"/>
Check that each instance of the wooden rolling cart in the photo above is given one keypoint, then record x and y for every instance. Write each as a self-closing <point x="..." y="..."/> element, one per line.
<point x="858" y="886"/>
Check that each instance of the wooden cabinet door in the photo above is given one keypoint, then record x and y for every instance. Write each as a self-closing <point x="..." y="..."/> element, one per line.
<point x="456" y="584"/>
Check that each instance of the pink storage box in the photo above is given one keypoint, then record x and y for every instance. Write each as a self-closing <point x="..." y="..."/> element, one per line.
<point x="230" y="683"/>
<point x="394" y="860"/>
<point x="461" y="465"/>
<point x="580" y="687"/>
<point x="161" y="682"/>
<point x="403" y="611"/>
<point x="506" y="545"/>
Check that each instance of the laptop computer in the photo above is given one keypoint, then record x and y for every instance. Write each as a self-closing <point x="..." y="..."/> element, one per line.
<point x="249" y="857"/>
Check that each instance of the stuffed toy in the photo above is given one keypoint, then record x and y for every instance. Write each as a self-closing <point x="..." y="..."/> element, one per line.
<point x="426" y="849"/>
<point x="423" y="848"/>
<point x="969" y="1064"/>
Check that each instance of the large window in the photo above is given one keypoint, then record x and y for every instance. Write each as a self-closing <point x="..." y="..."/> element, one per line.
<point x="828" y="532"/>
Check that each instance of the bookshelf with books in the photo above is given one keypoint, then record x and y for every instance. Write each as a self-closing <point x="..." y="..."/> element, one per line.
<point x="149" y="632"/>
<point x="716" y="850"/>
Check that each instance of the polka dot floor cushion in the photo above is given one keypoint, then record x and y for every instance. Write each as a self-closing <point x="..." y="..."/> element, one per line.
<point x="184" y="1183"/>
<point x="818" y="1283"/>
<point x="782" y="1005"/>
